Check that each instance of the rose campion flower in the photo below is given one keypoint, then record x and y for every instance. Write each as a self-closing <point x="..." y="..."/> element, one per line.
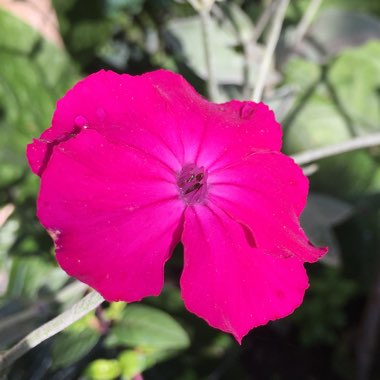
<point x="132" y="165"/>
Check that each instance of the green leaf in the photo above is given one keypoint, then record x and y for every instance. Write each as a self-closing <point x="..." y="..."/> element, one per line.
<point x="33" y="75"/>
<point x="147" y="327"/>
<point x="326" y="210"/>
<point x="103" y="369"/>
<point x="132" y="363"/>
<point x="225" y="41"/>
<point x="281" y="101"/>
<point x="315" y="125"/>
<point x="355" y="77"/>
<point x="336" y="29"/>
<point x="322" y="116"/>
<point x="75" y="342"/>
<point x="28" y="275"/>
<point x="321" y="214"/>
<point x="115" y="311"/>
<point x="69" y="347"/>
<point x="301" y="73"/>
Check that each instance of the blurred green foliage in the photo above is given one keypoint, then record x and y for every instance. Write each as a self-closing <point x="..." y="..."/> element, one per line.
<point x="327" y="92"/>
<point x="30" y="67"/>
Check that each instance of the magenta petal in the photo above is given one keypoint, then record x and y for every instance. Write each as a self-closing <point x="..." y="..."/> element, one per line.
<point x="236" y="129"/>
<point x="231" y="285"/>
<point x="114" y="214"/>
<point x="215" y="135"/>
<point x="36" y="153"/>
<point x="132" y="163"/>
<point x="126" y="109"/>
<point x="267" y="193"/>
<point x="162" y="115"/>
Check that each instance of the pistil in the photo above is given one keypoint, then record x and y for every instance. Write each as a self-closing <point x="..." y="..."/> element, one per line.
<point x="192" y="184"/>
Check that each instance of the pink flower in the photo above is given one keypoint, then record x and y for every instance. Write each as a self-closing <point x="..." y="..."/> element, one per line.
<point x="134" y="164"/>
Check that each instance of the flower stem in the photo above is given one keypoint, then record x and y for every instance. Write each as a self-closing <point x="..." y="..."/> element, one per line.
<point x="333" y="150"/>
<point x="269" y="51"/>
<point x="263" y="20"/>
<point x="57" y="324"/>
<point x="305" y="22"/>
<point x="212" y="88"/>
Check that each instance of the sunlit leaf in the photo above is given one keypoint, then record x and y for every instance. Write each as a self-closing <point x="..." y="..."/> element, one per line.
<point x="148" y="327"/>
<point x="69" y="347"/>
<point x="103" y="369"/>
<point x="30" y="275"/>
<point x="224" y="41"/>
<point x="337" y="28"/>
<point x="33" y="74"/>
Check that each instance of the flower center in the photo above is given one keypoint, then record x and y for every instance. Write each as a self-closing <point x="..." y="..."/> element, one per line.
<point x="192" y="184"/>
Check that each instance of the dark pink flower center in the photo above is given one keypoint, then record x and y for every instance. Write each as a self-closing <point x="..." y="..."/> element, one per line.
<point x="192" y="184"/>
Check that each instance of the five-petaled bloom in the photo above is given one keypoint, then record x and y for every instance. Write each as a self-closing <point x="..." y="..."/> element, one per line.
<point x="132" y="165"/>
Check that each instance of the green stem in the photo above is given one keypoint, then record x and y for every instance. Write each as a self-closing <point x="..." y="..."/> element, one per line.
<point x="57" y="324"/>
<point x="212" y="87"/>
<point x="333" y="150"/>
<point x="263" y="20"/>
<point x="269" y="51"/>
<point x="305" y="22"/>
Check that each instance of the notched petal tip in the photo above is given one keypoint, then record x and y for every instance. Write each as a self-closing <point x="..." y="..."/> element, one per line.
<point x="87" y="214"/>
<point x="231" y="285"/>
<point x="317" y="253"/>
<point x="35" y="154"/>
<point x="38" y="153"/>
<point x="258" y="120"/>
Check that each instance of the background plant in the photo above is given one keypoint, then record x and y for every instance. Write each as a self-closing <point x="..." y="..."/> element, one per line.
<point x="323" y="82"/>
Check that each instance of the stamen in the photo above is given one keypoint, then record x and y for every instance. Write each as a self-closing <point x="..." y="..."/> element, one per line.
<point x="196" y="186"/>
<point x="192" y="184"/>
